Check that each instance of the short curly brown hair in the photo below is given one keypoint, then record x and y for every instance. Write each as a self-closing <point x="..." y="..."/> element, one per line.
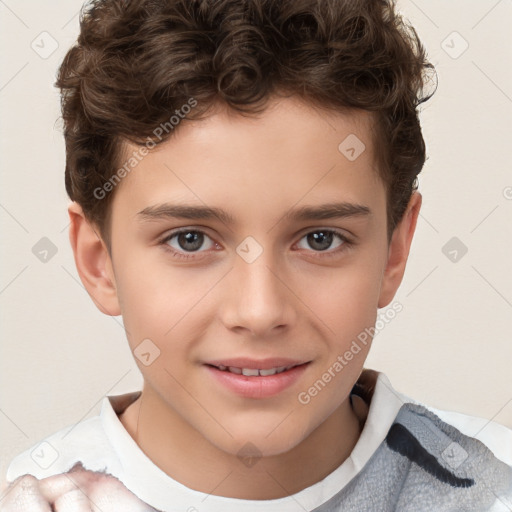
<point x="137" y="62"/>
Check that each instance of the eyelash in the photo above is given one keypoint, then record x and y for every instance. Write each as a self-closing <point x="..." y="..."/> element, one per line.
<point x="347" y="243"/>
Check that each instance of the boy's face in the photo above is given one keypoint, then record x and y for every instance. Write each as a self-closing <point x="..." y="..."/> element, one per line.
<point x="263" y="285"/>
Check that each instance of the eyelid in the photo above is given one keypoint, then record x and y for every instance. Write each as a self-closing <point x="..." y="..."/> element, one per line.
<point x="183" y="255"/>
<point x="168" y="236"/>
<point x="338" y="231"/>
<point x="347" y="242"/>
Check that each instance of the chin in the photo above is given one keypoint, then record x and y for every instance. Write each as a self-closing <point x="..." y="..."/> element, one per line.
<point x="259" y="444"/>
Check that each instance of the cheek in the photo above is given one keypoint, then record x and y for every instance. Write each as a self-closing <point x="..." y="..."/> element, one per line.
<point x="169" y="309"/>
<point x="154" y="298"/>
<point x="346" y="299"/>
<point x="345" y="308"/>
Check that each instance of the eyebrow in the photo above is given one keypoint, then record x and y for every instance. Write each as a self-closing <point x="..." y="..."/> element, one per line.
<point x="303" y="213"/>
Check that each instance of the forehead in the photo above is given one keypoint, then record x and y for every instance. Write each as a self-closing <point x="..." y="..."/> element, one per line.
<point x="290" y="153"/>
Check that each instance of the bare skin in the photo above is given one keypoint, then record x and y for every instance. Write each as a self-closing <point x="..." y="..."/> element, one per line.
<point x="294" y="300"/>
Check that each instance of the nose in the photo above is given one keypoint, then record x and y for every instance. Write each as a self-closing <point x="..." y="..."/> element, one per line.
<point x="259" y="299"/>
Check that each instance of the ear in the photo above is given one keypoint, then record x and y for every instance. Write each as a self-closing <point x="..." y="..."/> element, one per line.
<point x="93" y="262"/>
<point x="399" y="251"/>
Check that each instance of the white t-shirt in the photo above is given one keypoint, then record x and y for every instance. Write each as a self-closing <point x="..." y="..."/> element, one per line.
<point x="101" y="443"/>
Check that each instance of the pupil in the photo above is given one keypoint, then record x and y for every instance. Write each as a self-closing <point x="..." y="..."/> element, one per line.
<point x="190" y="237"/>
<point x="320" y="240"/>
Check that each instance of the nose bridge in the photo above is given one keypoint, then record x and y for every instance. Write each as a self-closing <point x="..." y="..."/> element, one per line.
<point x="259" y="300"/>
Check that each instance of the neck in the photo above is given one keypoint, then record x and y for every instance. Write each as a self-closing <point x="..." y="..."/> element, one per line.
<point x="188" y="457"/>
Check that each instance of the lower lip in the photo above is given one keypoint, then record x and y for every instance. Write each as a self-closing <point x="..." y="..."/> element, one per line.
<point x="258" y="386"/>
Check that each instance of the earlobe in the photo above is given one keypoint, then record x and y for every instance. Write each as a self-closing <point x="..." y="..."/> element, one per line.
<point x="399" y="251"/>
<point x="93" y="262"/>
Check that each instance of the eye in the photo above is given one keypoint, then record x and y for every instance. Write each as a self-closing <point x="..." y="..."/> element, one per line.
<point x="182" y="244"/>
<point x="322" y="239"/>
<point x="186" y="241"/>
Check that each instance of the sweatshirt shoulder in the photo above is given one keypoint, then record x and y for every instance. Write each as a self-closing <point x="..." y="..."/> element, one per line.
<point x="496" y="437"/>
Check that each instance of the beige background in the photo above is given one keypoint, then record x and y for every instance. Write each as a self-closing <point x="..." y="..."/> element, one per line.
<point x="450" y="347"/>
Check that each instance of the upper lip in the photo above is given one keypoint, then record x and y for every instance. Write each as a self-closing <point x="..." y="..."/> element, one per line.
<point x="257" y="364"/>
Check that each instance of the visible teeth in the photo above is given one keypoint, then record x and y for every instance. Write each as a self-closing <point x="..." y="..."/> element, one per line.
<point x="250" y="372"/>
<point x="253" y="372"/>
<point x="270" y="371"/>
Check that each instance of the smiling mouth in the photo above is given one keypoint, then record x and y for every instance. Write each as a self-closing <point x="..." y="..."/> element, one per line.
<point x="256" y="383"/>
<point x="254" y="372"/>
